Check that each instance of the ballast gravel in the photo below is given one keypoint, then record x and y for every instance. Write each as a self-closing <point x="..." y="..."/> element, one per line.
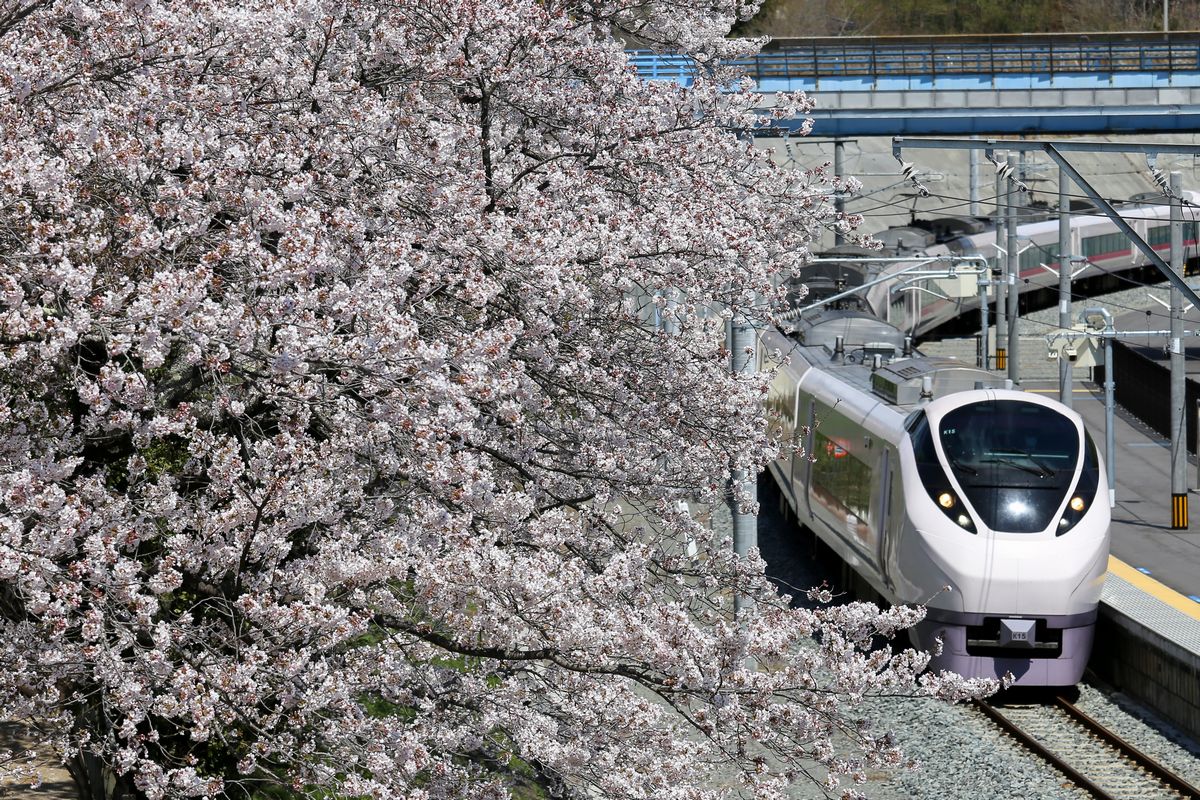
<point x="1143" y="729"/>
<point x="962" y="755"/>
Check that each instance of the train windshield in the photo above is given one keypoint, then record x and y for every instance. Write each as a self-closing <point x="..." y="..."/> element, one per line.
<point x="1015" y="461"/>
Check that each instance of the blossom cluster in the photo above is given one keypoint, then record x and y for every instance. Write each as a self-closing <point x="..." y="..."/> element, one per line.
<point x="336" y="452"/>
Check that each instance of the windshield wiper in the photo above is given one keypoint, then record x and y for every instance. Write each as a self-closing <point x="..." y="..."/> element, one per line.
<point x="1041" y="464"/>
<point x="1018" y="465"/>
<point x="954" y="462"/>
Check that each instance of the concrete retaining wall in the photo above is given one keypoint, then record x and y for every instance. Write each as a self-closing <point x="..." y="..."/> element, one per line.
<point x="1149" y="668"/>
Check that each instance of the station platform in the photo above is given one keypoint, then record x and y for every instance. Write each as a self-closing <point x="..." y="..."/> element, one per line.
<point x="1148" y="637"/>
<point x="1141" y="520"/>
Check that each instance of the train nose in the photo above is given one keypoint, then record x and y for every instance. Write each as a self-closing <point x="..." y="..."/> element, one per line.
<point x="1014" y="575"/>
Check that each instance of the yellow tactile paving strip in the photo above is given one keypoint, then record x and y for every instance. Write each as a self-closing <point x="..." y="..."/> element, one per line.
<point x="1166" y="594"/>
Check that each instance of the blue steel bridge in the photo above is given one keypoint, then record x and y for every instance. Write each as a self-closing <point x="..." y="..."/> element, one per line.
<point x="1034" y="84"/>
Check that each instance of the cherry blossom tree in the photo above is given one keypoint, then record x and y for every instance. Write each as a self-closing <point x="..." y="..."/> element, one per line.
<point x="337" y="454"/>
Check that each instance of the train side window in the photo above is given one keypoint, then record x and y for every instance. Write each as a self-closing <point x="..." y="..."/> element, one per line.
<point x="841" y="479"/>
<point x="1089" y="476"/>
<point x="913" y="420"/>
<point x="923" y="448"/>
<point x="1161" y="234"/>
<point x="1105" y="243"/>
<point x="1035" y="256"/>
<point x="932" y="474"/>
<point x="838" y="475"/>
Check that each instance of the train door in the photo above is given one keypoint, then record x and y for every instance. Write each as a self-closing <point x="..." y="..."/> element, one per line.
<point x="807" y="463"/>
<point x="843" y="490"/>
<point x="795" y="438"/>
<point x="891" y="526"/>
<point x="883" y="518"/>
<point x="1142" y="228"/>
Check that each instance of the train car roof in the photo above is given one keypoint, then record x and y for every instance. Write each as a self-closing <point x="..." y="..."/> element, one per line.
<point x="831" y="270"/>
<point x="855" y="250"/>
<point x="911" y="380"/>
<point x="903" y="384"/>
<point x="1159" y="199"/>
<point x="906" y="237"/>
<point x="952" y="225"/>
<point x="858" y="330"/>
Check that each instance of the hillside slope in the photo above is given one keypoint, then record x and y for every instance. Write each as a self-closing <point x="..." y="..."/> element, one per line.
<point x="787" y="18"/>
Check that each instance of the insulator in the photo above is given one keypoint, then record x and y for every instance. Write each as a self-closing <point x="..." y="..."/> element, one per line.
<point x="1161" y="180"/>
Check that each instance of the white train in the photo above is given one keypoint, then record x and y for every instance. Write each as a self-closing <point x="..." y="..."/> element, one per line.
<point x="1097" y="246"/>
<point x="936" y="485"/>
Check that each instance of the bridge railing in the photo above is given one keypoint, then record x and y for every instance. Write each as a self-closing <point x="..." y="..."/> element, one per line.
<point x="953" y="55"/>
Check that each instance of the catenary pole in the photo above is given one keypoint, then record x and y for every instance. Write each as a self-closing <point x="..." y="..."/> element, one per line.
<point x="742" y="343"/>
<point x="1110" y="385"/>
<point x="985" y="280"/>
<point x="1179" y="498"/>
<point x="1014" y="278"/>
<point x="1001" y="262"/>
<point x="1065" y="393"/>
<point x="973" y="180"/>
<point x="839" y="202"/>
<point x="745" y="525"/>
<point x="1110" y="444"/>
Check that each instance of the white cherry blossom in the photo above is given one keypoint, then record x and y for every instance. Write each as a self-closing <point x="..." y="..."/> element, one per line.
<point x="336" y="451"/>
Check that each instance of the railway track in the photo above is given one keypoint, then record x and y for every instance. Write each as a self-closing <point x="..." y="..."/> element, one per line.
<point x="1093" y="757"/>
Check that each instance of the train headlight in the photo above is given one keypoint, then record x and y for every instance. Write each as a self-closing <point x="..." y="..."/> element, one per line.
<point x="949" y="503"/>
<point x="1077" y="506"/>
<point x="1085" y="491"/>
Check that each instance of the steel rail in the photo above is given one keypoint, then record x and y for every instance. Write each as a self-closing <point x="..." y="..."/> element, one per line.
<point x="1081" y="718"/>
<point x="1032" y="744"/>
<point x="1144" y="761"/>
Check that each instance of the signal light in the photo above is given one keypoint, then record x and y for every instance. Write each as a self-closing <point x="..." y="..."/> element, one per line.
<point x="946" y="500"/>
<point x="1077" y="503"/>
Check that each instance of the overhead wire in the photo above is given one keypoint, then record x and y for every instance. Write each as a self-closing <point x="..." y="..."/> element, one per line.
<point x="918" y="203"/>
<point x="950" y="201"/>
<point x="1189" y="252"/>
